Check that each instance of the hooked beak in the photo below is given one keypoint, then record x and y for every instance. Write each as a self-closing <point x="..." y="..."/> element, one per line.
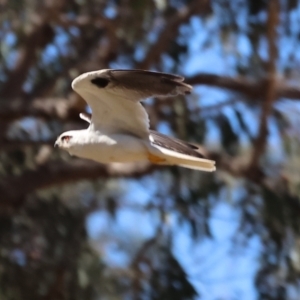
<point x="55" y="144"/>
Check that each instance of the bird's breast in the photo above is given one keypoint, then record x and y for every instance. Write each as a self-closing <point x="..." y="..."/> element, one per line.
<point x="112" y="148"/>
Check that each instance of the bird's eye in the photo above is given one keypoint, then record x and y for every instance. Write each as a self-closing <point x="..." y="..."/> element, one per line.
<point x="100" y="82"/>
<point x="66" y="138"/>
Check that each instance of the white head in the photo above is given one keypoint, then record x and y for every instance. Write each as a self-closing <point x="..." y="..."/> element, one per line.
<point x="87" y="83"/>
<point x="70" y="140"/>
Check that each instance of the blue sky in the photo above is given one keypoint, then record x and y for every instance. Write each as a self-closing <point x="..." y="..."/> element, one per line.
<point x="217" y="267"/>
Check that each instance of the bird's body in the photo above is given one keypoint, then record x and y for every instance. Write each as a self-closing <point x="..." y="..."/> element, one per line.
<point x="107" y="148"/>
<point x="119" y="126"/>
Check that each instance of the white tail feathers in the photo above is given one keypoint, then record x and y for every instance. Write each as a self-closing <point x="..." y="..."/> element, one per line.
<point x="191" y="162"/>
<point x="208" y="166"/>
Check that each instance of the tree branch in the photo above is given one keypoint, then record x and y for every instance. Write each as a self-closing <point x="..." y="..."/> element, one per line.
<point x="58" y="173"/>
<point x="47" y="108"/>
<point x="37" y="39"/>
<point x="8" y="144"/>
<point x="62" y="109"/>
<point x="260" y="143"/>
<point x="14" y="189"/>
<point x="250" y="88"/>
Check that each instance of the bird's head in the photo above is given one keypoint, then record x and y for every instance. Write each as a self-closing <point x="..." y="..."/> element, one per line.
<point x="73" y="141"/>
<point x="91" y="81"/>
<point x="65" y="141"/>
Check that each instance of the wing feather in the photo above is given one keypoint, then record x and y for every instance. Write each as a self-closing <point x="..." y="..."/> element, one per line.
<point x="174" y="144"/>
<point x="113" y="96"/>
<point x="139" y="84"/>
<point x="176" y="152"/>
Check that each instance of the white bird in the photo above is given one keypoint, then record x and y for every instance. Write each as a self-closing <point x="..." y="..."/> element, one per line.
<point x="119" y="125"/>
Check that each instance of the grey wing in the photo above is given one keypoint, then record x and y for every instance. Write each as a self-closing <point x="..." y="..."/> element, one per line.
<point x="114" y="96"/>
<point x="174" y="144"/>
<point x="139" y="84"/>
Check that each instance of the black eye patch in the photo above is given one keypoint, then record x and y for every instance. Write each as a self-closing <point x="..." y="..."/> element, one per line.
<point x="66" y="138"/>
<point x="100" y="82"/>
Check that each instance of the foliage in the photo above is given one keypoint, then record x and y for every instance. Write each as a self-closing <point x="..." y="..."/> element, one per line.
<point x="241" y="56"/>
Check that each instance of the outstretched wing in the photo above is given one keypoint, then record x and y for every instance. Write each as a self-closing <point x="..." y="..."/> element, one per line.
<point x="114" y="96"/>
<point x="176" y="152"/>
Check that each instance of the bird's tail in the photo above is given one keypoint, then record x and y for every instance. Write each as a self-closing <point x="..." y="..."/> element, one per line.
<point x="160" y="155"/>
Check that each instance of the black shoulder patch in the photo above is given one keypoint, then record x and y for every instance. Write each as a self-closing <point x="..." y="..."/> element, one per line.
<point x="100" y="82"/>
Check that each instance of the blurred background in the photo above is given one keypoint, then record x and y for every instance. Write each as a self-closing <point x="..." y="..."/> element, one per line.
<point x="75" y="229"/>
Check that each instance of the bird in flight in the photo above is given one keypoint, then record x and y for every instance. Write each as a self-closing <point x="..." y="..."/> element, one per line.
<point x="119" y="125"/>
